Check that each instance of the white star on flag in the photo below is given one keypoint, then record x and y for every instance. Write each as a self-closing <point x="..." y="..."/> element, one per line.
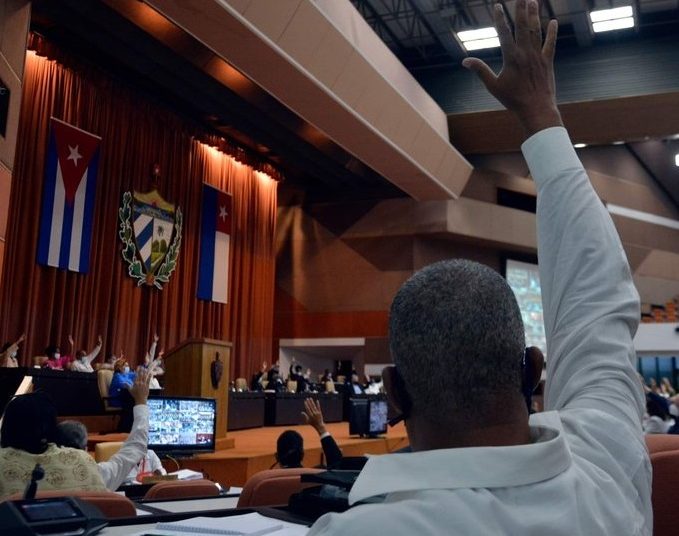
<point x="74" y="154"/>
<point x="222" y="213"/>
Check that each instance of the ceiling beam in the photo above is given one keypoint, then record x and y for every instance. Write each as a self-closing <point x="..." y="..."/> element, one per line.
<point x="427" y="10"/>
<point x="593" y="122"/>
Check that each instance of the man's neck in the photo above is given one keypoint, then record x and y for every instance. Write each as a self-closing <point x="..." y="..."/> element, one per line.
<point x="427" y="436"/>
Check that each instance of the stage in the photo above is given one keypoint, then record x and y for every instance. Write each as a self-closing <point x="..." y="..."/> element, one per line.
<point x="254" y="450"/>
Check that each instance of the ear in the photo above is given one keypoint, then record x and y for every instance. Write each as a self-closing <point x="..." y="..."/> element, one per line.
<point x="536" y="362"/>
<point x="396" y="394"/>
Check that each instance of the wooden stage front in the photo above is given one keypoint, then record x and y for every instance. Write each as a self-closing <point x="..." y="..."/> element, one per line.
<point x="254" y="450"/>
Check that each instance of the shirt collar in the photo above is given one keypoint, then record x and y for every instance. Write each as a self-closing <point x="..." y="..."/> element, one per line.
<point x="476" y="467"/>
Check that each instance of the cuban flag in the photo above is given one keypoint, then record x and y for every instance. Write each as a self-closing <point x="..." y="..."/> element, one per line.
<point x="215" y="236"/>
<point x="68" y="198"/>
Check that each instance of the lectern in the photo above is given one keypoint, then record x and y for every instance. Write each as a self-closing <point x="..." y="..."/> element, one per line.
<point x="191" y="370"/>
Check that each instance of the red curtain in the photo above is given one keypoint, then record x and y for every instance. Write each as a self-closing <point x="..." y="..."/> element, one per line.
<point x="48" y="304"/>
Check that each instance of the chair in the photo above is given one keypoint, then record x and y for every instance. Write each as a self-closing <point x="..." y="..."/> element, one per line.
<point x="104" y="451"/>
<point x="664" y="454"/>
<point x="273" y="487"/>
<point x="111" y="504"/>
<point x="39" y="361"/>
<point x="241" y="384"/>
<point x="104" y="378"/>
<point x="341" y="379"/>
<point x="264" y="383"/>
<point x="291" y="386"/>
<point x="330" y="387"/>
<point x="182" y="489"/>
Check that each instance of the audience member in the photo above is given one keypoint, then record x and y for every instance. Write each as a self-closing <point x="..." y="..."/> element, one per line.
<point x="297" y="376"/>
<point x="117" y="469"/>
<point x="313" y="416"/>
<point x="123" y="378"/>
<point x="659" y="420"/>
<point x="289" y="450"/>
<point x="55" y="360"/>
<point x="480" y="464"/>
<point x="666" y="388"/>
<point x="256" y="381"/>
<point x="83" y="360"/>
<point x="354" y="387"/>
<point x="275" y="382"/>
<point x="28" y="437"/>
<point x="8" y="353"/>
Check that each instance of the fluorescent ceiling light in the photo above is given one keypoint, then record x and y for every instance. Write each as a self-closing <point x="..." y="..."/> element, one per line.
<point x="473" y="35"/>
<point x="580" y="145"/>
<point x="676" y="160"/>
<point x="477" y="44"/>
<point x="615" y="24"/>
<point x="610" y="14"/>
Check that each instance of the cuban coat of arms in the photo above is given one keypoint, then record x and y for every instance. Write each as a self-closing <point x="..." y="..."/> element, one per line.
<point x="151" y="232"/>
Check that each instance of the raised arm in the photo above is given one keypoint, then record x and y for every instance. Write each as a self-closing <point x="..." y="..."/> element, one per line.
<point x="150" y="355"/>
<point x="591" y="307"/>
<point x="95" y="351"/>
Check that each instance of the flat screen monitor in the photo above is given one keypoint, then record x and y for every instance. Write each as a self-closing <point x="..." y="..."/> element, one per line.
<point x="524" y="279"/>
<point x="182" y="424"/>
<point x="368" y="417"/>
<point x="377" y="417"/>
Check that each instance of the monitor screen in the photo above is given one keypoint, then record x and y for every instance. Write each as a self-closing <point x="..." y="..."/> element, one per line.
<point x="524" y="279"/>
<point x="377" y="411"/>
<point x="182" y="424"/>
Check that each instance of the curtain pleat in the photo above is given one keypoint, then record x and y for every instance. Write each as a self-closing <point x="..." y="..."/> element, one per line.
<point x="136" y="132"/>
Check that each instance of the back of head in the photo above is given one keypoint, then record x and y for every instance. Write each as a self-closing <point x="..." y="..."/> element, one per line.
<point x="29" y="423"/>
<point x="457" y="339"/>
<point x="290" y="449"/>
<point x="120" y="364"/>
<point x="72" y="434"/>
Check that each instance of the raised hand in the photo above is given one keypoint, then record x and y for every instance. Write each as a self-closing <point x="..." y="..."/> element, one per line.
<point x="140" y="388"/>
<point x="99" y="340"/>
<point x="525" y="84"/>
<point x="155" y="337"/>
<point x="313" y="415"/>
<point x="70" y="340"/>
<point x="21" y="339"/>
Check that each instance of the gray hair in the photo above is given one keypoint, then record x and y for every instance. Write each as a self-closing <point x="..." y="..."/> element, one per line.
<point x="72" y="434"/>
<point x="457" y="339"/>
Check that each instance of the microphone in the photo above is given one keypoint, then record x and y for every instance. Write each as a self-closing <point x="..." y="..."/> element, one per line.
<point x="37" y="474"/>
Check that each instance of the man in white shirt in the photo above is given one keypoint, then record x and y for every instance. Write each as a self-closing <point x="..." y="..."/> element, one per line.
<point x="116" y="469"/>
<point x="83" y="360"/>
<point x="479" y="464"/>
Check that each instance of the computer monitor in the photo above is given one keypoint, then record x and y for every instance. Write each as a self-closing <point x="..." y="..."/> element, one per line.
<point x="377" y="417"/>
<point x="182" y="425"/>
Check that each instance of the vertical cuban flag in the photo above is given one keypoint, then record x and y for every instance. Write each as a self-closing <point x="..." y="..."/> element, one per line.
<point x="68" y="198"/>
<point x="215" y="236"/>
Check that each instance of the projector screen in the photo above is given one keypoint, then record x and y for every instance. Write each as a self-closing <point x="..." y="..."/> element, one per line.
<point x="525" y="282"/>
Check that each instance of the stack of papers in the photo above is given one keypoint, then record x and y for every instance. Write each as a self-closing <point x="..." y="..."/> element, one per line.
<point x="187" y="474"/>
<point x="244" y="525"/>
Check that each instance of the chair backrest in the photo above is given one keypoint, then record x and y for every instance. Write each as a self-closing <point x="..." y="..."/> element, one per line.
<point x="103" y="451"/>
<point x="241" y="384"/>
<point x="341" y="379"/>
<point x="264" y="383"/>
<point x="111" y="504"/>
<point x="330" y="387"/>
<point x="273" y="487"/>
<point x="39" y="360"/>
<point x="182" y="489"/>
<point x="104" y="378"/>
<point x="664" y="454"/>
<point x="291" y="386"/>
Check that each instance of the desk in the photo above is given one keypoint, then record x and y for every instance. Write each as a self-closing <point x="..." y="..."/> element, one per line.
<point x="284" y="409"/>
<point x="246" y="410"/>
<point x="194" y="505"/>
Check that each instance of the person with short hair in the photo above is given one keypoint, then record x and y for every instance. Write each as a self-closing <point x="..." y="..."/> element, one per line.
<point x="118" y="468"/>
<point x="55" y="360"/>
<point x="462" y="378"/>
<point x="28" y="437"/>
<point x="289" y="450"/>
<point x="83" y="360"/>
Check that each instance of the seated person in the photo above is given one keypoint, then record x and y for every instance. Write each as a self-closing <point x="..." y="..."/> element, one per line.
<point x="659" y="420"/>
<point x="118" y="468"/>
<point x="8" y="353"/>
<point x="289" y="450"/>
<point x="28" y="437"/>
<point x="256" y="381"/>
<point x="462" y="377"/>
<point x="83" y="360"/>
<point x="297" y="376"/>
<point x="150" y="465"/>
<point x="110" y="361"/>
<point x="123" y="378"/>
<point x="354" y="387"/>
<point x="55" y="360"/>
<point x="275" y="382"/>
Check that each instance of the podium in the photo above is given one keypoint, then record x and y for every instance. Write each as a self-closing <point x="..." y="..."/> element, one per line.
<point x="188" y="372"/>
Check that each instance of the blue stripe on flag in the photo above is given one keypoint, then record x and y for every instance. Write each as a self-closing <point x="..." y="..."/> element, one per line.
<point x="88" y="216"/>
<point x="48" y="201"/>
<point x="66" y="235"/>
<point x="143" y="237"/>
<point x="207" y="243"/>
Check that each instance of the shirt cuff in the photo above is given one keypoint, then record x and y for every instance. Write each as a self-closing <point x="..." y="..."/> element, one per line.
<point x="549" y="152"/>
<point x="325" y="434"/>
<point x="140" y="410"/>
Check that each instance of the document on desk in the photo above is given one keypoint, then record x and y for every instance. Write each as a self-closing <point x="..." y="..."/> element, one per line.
<point x="253" y="524"/>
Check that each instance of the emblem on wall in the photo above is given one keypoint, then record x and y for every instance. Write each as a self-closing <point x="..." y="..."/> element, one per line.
<point x="151" y="232"/>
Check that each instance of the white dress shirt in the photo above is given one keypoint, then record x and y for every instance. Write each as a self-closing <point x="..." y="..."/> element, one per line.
<point x="587" y="471"/>
<point x="85" y="364"/>
<point x="114" y="471"/>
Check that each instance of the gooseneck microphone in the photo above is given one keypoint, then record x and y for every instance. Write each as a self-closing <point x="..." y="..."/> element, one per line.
<point x="37" y="474"/>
